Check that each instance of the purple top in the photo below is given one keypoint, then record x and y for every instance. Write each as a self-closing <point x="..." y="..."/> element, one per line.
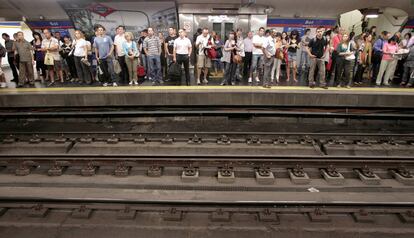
<point x="39" y="55"/>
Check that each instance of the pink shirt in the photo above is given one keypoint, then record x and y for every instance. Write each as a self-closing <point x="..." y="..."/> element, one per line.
<point x="389" y="48"/>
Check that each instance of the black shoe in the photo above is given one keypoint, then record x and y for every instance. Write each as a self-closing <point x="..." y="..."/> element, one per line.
<point x="312" y="86"/>
<point x="325" y="87"/>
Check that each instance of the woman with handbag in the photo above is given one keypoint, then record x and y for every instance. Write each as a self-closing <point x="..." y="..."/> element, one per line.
<point x="278" y="58"/>
<point x="66" y="51"/>
<point x="231" y="58"/>
<point x="285" y="44"/>
<point x="364" y="58"/>
<point x="132" y="53"/>
<point x="217" y="65"/>
<point x="346" y="49"/>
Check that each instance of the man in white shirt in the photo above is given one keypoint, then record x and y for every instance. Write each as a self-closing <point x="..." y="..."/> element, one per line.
<point x="120" y="55"/>
<point x="182" y="52"/>
<point x="257" y="60"/>
<point x="203" y="42"/>
<point x="248" y="48"/>
<point x="51" y="45"/>
<point x="269" y="51"/>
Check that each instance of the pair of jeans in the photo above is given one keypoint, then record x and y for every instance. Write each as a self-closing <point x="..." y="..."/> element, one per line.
<point x="339" y="67"/>
<point x="334" y="74"/>
<point x="230" y="74"/>
<point x="359" y="73"/>
<point x="84" y="71"/>
<point x="345" y="72"/>
<point x="26" y="72"/>
<point x="70" y="61"/>
<point x="107" y="67"/>
<point x="304" y="60"/>
<point x="144" y="62"/>
<point x="320" y="63"/>
<point x="132" y="65"/>
<point x="376" y="63"/>
<point x="13" y="67"/>
<point x="276" y="69"/>
<point x="384" y="72"/>
<point x="268" y="66"/>
<point x="185" y="60"/>
<point x="257" y="65"/>
<point x="154" y="68"/>
<point x="124" y="75"/>
<point x="408" y="75"/>
<point x="247" y="63"/>
<point x="40" y="67"/>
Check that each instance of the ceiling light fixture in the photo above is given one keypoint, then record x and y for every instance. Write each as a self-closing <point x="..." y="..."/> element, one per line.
<point x="370" y="13"/>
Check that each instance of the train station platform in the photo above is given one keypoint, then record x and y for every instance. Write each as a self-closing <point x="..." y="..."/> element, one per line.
<point x="225" y="96"/>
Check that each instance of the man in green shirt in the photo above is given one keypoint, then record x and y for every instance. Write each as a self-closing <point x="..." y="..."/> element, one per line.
<point x="25" y="50"/>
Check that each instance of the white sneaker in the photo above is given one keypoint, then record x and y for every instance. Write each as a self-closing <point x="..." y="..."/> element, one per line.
<point x="115" y="85"/>
<point x="257" y="79"/>
<point x="136" y="83"/>
<point x="250" y="80"/>
<point x="105" y="84"/>
<point x="130" y="83"/>
<point x="205" y="81"/>
<point x="3" y="85"/>
<point x="198" y="81"/>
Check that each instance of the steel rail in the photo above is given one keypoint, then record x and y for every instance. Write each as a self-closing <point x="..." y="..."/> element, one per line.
<point x="229" y="113"/>
<point x="281" y="205"/>
<point x="340" y="134"/>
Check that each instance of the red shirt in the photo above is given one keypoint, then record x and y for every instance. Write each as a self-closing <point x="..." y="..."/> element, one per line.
<point x="336" y="40"/>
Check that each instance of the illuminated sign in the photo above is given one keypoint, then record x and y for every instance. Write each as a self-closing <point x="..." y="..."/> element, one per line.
<point x="101" y="9"/>
<point x="221" y="18"/>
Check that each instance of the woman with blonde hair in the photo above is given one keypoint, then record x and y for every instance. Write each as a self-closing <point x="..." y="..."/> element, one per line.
<point x="132" y="53"/>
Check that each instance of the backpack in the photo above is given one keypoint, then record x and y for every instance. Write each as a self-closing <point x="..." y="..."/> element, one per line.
<point x="212" y="52"/>
<point x="174" y="71"/>
<point x="141" y="71"/>
<point x="3" y="51"/>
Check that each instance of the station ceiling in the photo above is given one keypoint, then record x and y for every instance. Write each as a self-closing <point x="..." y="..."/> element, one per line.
<point x="50" y="9"/>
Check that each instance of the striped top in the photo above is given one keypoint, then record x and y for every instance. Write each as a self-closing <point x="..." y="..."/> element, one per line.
<point x="153" y="45"/>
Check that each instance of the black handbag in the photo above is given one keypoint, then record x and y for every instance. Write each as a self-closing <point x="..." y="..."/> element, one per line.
<point x="174" y="71"/>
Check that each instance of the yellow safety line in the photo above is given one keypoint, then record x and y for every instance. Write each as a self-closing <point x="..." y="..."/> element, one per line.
<point x="200" y="88"/>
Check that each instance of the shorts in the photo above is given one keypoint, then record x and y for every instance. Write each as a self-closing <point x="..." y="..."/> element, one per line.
<point x="64" y="64"/>
<point x="57" y="66"/>
<point x="203" y="61"/>
<point x="292" y="56"/>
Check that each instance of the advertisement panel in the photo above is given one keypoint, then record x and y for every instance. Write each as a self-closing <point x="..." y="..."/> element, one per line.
<point x="135" y="16"/>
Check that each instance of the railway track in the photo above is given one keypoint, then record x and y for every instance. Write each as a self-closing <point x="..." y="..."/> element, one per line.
<point x="69" y="218"/>
<point x="197" y="183"/>
<point x="207" y="144"/>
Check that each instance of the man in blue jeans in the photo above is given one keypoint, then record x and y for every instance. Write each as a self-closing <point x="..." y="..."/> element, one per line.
<point x="152" y="48"/>
<point x="257" y="61"/>
<point x="104" y="48"/>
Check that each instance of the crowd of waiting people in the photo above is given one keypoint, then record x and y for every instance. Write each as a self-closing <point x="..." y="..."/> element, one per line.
<point x="332" y="57"/>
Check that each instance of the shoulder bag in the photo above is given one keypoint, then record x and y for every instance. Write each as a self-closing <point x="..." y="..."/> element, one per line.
<point x="350" y="57"/>
<point x="49" y="60"/>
